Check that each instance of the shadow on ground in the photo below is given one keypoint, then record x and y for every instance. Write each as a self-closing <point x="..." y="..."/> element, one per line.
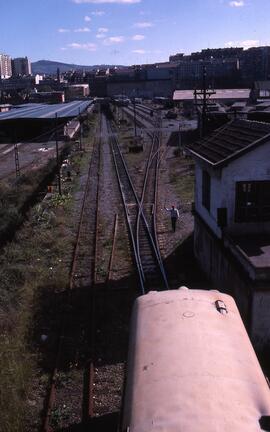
<point x="71" y="315"/>
<point x="182" y="267"/>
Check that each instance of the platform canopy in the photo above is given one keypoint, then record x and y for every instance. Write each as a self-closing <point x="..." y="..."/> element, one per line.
<point x="45" y="111"/>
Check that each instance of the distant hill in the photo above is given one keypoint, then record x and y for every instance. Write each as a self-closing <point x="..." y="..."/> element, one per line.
<point x="50" y="67"/>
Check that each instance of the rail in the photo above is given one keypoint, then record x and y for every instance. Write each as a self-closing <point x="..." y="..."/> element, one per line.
<point x="126" y="187"/>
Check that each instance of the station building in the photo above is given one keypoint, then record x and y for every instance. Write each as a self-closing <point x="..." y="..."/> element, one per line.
<point x="232" y="218"/>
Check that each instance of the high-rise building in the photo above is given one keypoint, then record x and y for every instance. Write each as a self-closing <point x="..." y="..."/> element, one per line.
<point x="21" y="66"/>
<point x="5" y="66"/>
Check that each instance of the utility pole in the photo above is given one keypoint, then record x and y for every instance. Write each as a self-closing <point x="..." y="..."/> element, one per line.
<point x="16" y="156"/>
<point x="179" y="137"/>
<point x="80" y="129"/>
<point x="204" y="95"/>
<point x="204" y="118"/>
<point x="134" y="112"/>
<point x="17" y="161"/>
<point x="57" y="155"/>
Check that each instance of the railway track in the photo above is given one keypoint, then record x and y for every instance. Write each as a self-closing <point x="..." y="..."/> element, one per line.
<point x="140" y="117"/>
<point x="148" y="111"/>
<point x="141" y="226"/>
<point x="149" y="196"/>
<point x="76" y="338"/>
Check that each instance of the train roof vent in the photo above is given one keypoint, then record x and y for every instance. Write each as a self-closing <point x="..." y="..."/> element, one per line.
<point x="221" y="307"/>
<point x="265" y="423"/>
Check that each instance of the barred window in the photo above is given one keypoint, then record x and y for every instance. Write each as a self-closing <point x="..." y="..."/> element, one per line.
<point x="252" y="201"/>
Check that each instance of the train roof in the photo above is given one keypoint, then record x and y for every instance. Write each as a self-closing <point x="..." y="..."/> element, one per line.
<point x="192" y="367"/>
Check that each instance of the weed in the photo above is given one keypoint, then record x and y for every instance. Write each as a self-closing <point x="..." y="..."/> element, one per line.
<point x="58" y="415"/>
<point x="101" y="271"/>
<point x="33" y="269"/>
<point x="107" y="243"/>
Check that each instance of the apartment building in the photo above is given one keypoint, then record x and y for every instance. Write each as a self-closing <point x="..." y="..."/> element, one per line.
<point x="5" y="66"/>
<point x="21" y="66"/>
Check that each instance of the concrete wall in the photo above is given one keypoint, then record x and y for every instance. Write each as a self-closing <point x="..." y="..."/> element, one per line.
<point x="159" y="73"/>
<point x="227" y="276"/>
<point x="260" y="328"/>
<point x="250" y="167"/>
<point x="210" y="217"/>
<point x="141" y="88"/>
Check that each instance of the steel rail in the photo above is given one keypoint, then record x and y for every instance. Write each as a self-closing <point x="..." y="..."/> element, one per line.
<point x="154" y="154"/>
<point x="152" y="135"/>
<point x="140" y="208"/>
<point x="115" y="230"/>
<point x="88" y="404"/>
<point x="146" y="225"/>
<point x="130" y="114"/>
<point x="50" y="400"/>
<point x="158" y="160"/>
<point x="137" y="260"/>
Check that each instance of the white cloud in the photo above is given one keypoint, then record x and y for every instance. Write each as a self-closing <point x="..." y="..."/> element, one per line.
<point x="63" y="30"/>
<point x="114" y="40"/>
<point x="142" y="51"/>
<point x="98" y="13"/>
<point x="102" y="32"/>
<point x="248" y="43"/>
<point x="83" y="46"/>
<point x="139" y="51"/>
<point x="145" y="24"/>
<point x="237" y="3"/>
<point x="82" y="30"/>
<point x="107" y="1"/>
<point x="87" y="18"/>
<point x="138" y="37"/>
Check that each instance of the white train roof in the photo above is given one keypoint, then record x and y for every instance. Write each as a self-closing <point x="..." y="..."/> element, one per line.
<point x="192" y="366"/>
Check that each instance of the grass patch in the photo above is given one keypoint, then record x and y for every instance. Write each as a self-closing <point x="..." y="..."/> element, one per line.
<point x="182" y="178"/>
<point x="33" y="267"/>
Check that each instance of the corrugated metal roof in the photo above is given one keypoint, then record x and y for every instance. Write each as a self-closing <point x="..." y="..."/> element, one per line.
<point x="45" y="111"/>
<point x="231" y="141"/>
<point x="220" y="94"/>
<point x="238" y="105"/>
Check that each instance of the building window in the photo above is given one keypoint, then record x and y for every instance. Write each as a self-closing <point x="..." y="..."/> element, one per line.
<point x="252" y="201"/>
<point x="206" y="190"/>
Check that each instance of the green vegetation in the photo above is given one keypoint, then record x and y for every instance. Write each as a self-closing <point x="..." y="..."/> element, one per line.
<point x="30" y="266"/>
<point x="16" y="193"/>
<point x="182" y="179"/>
<point x="34" y="267"/>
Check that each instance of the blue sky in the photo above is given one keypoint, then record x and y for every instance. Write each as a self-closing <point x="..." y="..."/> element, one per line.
<point x="128" y="31"/>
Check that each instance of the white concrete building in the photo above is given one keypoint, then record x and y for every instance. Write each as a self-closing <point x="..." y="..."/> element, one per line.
<point x="232" y="217"/>
<point x="5" y="66"/>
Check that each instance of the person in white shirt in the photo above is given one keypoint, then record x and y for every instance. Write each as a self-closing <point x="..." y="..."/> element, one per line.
<point x="174" y="216"/>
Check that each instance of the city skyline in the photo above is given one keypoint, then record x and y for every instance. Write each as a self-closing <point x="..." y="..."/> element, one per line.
<point x="128" y="31"/>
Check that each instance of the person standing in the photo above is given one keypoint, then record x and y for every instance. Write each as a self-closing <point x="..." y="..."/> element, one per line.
<point x="174" y="216"/>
